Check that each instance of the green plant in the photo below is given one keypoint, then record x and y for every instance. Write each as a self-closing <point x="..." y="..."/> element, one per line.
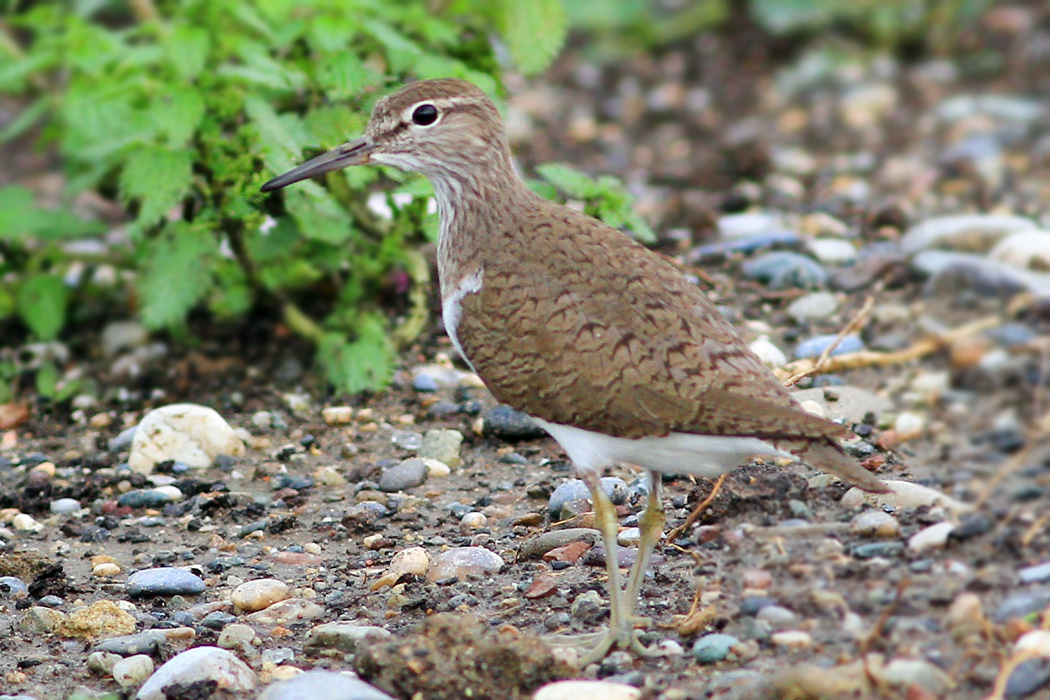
<point x="604" y="197"/>
<point x="179" y="110"/>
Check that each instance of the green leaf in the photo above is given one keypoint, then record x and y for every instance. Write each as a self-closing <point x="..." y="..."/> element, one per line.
<point x="20" y="218"/>
<point x="569" y="180"/>
<point x="187" y="50"/>
<point x="177" y="275"/>
<point x="363" y="364"/>
<point x="640" y="227"/>
<point x="25" y="120"/>
<point x="343" y="75"/>
<point x="280" y="138"/>
<point x="401" y="52"/>
<point x="158" y="178"/>
<point x="42" y="305"/>
<point x="535" y="31"/>
<point x="179" y="113"/>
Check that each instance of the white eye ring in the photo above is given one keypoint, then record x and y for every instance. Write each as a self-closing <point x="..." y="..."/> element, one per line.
<point x="423" y="114"/>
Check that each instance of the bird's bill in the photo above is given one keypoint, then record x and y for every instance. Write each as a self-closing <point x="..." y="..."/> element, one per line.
<point x="354" y="152"/>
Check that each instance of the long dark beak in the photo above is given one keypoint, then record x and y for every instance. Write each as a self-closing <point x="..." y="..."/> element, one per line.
<point x="354" y="152"/>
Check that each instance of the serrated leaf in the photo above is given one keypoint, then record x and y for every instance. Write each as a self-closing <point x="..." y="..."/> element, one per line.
<point x="640" y="227"/>
<point x="179" y="113"/>
<point x="41" y="301"/>
<point x="343" y="74"/>
<point x="279" y="136"/>
<point x="25" y="119"/>
<point x="177" y="275"/>
<point x="20" y="218"/>
<point x="401" y="52"/>
<point x="535" y="31"/>
<point x="569" y="180"/>
<point x="318" y="215"/>
<point x="158" y="178"/>
<point x="187" y="50"/>
<point x="365" y="363"/>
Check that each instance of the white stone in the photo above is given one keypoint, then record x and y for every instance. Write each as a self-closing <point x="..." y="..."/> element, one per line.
<point x="122" y="335"/>
<point x="435" y="467"/>
<point x="26" y="523"/>
<point x="413" y="561"/>
<point x="474" y="520"/>
<point x="260" y="594"/>
<point x="909" y="425"/>
<point x="188" y="433"/>
<point x="200" y="664"/>
<point x="833" y="251"/>
<point x="748" y="224"/>
<point x="1024" y="249"/>
<point x="587" y="690"/>
<point x="932" y="537"/>
<point x="770" y="354"/>
<point x="967" y="232"/>
<point x="904" y="494"/>
<point x="1036" y="642"/>
<point x="338" y="415"/>
<point x="876" y="523"/>
<point x="815" y="306"/>
<point x="132" y="671"/>
<point x="792" y="639"/>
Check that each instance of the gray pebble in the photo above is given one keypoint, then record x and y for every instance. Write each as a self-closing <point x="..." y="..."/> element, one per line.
<point x="423" y="382"/>
<point x="13" y="587"/>
<point x="1028" y="678"/>
<point x="442" y="445"/>
<point x="813" y="307"/>
<point x="144" y="498"/>
<point x="536" y="547"/>
<point x="712" y="648"/>
<point x="870" y="550"/>
<point x="814" y="347"/>
<point x="403" y="475"/>
<point x="343" y="636"/>
<point x="1022" y="604"/>
<point x="123" y="440"/>
<point x="164" y="581"/>
<point x="64" y="506"/>
<point x="407" y="439"/>
<point x="778" y="617"/>
<point x="323" y="684"/>
<point x="785" y="270"/>
<point x="576" y="490"/>
<point x="205" y="663"/>
<point x="1039" y="573"/>
<point x="747" y="245"/>
<point x="962" y="232"/>
<point x="150" y="642"/>
<point x="752" y="605"/>
<point x="507" y="424"/>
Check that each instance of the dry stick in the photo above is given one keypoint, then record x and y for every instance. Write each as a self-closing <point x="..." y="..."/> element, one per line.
<point x="704" y="505"/>
<point x="855" y="324"/>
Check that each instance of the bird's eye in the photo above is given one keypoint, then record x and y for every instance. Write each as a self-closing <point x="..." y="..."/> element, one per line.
<point x="425" y="115"/>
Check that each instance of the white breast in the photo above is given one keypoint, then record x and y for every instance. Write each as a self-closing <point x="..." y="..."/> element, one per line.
<point x="452" y="310"/>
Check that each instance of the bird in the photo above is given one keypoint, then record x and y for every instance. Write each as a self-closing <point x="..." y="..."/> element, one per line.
<point x="606" y="344"/>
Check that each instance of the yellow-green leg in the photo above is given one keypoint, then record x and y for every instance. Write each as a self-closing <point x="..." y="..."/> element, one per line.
<point x="651" y="527"/>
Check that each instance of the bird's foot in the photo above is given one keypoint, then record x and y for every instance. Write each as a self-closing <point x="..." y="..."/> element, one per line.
<point x="594" y="646"/>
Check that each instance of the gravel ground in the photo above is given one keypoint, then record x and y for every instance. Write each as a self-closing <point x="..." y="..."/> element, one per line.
<point x="817" y="190"/>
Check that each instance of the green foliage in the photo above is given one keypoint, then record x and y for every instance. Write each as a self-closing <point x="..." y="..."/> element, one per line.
<point x="181" y="111"/>
<point x="605" y="197"/>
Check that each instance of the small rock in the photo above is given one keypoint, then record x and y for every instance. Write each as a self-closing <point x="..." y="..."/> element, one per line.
<point x="259" y="594"/>
<point x="786" y="270"/>
<point x="778" y="617"/>
<point x="237" y="637"/>
<point x="815" y="306"/>
<point x="403" y="475"/>
<point x="13" y="587"/>
<point x="413" y="561"/>
<point x="768" y="352"/>
<point x="105" y="570"/>
<point x="150" y="642"/>
<point x="64" y="506"/>
<point x="326" y="685"/>
<point x="876" y="523"/>
<point x="40" y="620"/>
<point x="905" y="673"/>
<point x="712" y="648"/>
<point x="909" y="425"/>
<point x="792" y="639"/>
<point x="965" y="617"/>
<point x="587" y="690"/>
<point x="188" y="433"/>
<point x="833" y="251"/>
<point x="286" y="612"/>
<point x="932" y="537"/>
<point x="407" y="439"/>
<point x="629" y="537"/>
<point x="748" y="224"/>
<point x="119" y="336"/>
<point x="881" y="550"/>
<point x="337" y="415"/>
<point x="436" y="468"/>
<point x="102" y="662"/>
<point x="1028" y="678"/>
<point x="343" y="636"/>
<point x="1022" y="604"/>
<point x="132" y="671"/>
<point x="815" y="347"/>
<point x="164" y="581"/>
<point x="1039" y="573"/>
<point x="507" y="424"/>
<point x="442" y="445"/>
<point x="464" y="563"/>
<point x="904" y="494"/>
<point x="1028" y="250"/>
<point x="866" y="105"/>
<point x="536" y="547"/>
<point x="206" y="663"/>
<point x="965" y="232"/>
<point x="103" y="618"/>
<point x="473" y="520"/>
<point x="576" y="490"/>
<point x="26" y="523"/>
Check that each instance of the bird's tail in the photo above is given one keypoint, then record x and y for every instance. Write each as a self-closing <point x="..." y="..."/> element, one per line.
<point x="827" y="456"/>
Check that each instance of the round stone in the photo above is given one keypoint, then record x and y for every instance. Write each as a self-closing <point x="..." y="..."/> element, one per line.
<point x="712" y="648"/>
<point x="132" y="671"/>
<point x="164" y="581"/>
<point x="404" y="475"/>
<point x="205" y="663"/>
<point x="259" y="594"/>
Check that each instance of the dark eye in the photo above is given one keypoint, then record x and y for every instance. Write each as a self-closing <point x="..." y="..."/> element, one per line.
<point x="425" y="115"/>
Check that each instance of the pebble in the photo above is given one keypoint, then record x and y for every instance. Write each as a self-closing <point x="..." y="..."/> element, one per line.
<point x="746" y="245"/>
<point x="206" y="663"/>
<point x="969" y="232"/>
<point x="904" y="494"/>
<point x="132" y="671"/>
<point x="815" y="306"/>
<point x="881" y="550"/>
<point x="328" y="685"/>
<point x="778" y="617"/>
<point x="1028" y="678"/>
<point x="103" y="618"/>
<point x="929" y="538"/>
<point x="102" y="662"/>
<point x="507" y="424"/>
<point x="286" y="612"/>
<point x="1039" y="573"/>
<point x="815" y="347"/>
<point x="147" y="498"/>
<point x="40" y="620"/>
<point x="536" y="547"/>
<point x="712" y="648"/>
<point x="876" y="523"/>
<point x="150" y="642"/>
<point x="237" y="637"/>
<point x="473" y="520"/>
<point x="833" y="251"/>
<point x="754" y="604"/>
<point x="105" y="569"/>
<point x="786" y="270"/>
<point x="407" y="439"/>
<point x="748" y="224"/>
<point x="768" y="352"/>
<point x="188" y="433"/>
<point x="337" y="415"/>
<point x="343" y="636"/>
<point x="164" y="581"/>
<point x="414" y="561"/>
<point x="259" y="594"/>
<point x="905" y="673"/>
<point x="629" y="537"/>
<point x="1022" y="604"/>
<point x="464" y="563"/>
<point x="64" y="506"/>
<point x="26" y="523"/>
<point x="792" y="639"/>
<point x="967" y="273"/>
<point x="436" y="468"/>
<point x="587" y="690"/>
<point x="13" y="587"/>
<point x="122" y="335"/>
<point x="576" y="490"/>
<point x="909" y="425"/>
<point x="1026" y="250"/>
<point x="403" y="475"/>
<point x="442" y="445"/>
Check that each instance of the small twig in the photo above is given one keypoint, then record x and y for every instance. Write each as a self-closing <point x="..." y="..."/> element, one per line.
<point x="704" y="505"/>
<point x="1007" y="670"/>
<point x="855" y="324"/>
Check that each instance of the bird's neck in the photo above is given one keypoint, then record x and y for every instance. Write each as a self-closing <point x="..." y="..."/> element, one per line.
<point x="475" y="206"/>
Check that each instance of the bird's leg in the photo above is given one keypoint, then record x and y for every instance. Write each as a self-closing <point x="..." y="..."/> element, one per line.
<point x="651" y="527"/>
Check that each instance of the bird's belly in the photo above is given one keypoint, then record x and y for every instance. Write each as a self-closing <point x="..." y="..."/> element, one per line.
<point x="677" y="453"/>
